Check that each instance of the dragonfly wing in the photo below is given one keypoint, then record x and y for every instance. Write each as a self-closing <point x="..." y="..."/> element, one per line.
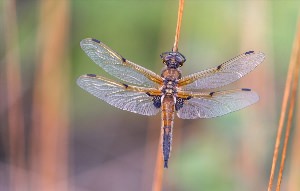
<point x="214" y="104"/>
<point x="116" y="65"/>
<point x="223" y="74"/>
<point x="123" y="96"/>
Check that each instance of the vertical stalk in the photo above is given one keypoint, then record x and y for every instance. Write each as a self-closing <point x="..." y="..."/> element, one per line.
<point x="15" y="116"/>
<point x="49" y="154"/>
<point x="253" y="14"/>
<point x="295" y="80"/>
<point x="179" y="18"/>
<point x="294" y="173"/>
<point x="287" y="93"/>
<point x="158" y="172"/>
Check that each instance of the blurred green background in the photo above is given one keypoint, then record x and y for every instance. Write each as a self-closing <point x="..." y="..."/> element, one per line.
<point x="111" y="149"/>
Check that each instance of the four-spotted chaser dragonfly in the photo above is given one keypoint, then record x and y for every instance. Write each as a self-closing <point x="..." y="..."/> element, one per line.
<point x="149" y="93"/>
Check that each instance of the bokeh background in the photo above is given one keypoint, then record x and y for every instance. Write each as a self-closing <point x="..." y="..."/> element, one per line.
<point x="55" y="136"/>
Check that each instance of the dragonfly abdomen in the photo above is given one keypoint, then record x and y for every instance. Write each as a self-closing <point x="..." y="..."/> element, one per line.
<point x="167" y="113"/>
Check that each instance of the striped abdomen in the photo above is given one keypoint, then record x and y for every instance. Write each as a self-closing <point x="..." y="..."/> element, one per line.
<point x="167" y="115"/>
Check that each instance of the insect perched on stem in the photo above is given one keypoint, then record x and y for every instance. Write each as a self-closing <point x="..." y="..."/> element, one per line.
<point x="149" y="93"/>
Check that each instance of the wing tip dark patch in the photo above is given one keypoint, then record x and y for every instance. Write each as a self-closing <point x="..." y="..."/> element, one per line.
<point x="125" y="85"/>
<point x="91" y="75"/>
<point x="219" y="67"/>
<point x="95" y="40"/>
<point x="123" y="59"/>
<point x="249" y="52"/>
<point x="246" y="89"/>
<point x="179" y="104"/>
<point x="211" y="93"/>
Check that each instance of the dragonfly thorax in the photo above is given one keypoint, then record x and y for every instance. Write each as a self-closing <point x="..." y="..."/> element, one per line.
<point x="169" y="87"/>
<point x="171" y="74"/>
<point x="171" y="77"/>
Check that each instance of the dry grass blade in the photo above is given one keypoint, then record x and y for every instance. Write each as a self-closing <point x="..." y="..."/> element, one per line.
<point x="296" y="59"/>
<point x="294" y="173"/>
<point x="177" y="34"/>
<point x="287" y="92"/>
<point x="14" y="100"/>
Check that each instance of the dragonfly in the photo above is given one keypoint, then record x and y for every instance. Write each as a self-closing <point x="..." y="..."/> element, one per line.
<point x="144" y="92"/>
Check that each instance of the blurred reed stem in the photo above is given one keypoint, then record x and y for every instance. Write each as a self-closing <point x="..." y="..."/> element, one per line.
<point x="16" y="147"/>
<point x="253" y="122"/>
<point x="49" y="146"/>
<point x="292" y="81"/>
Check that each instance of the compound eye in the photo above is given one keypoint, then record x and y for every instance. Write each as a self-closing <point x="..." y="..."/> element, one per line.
<point x="168" y="57"/>
<point x="180" y="59"/>
<point x="165" y="55"/>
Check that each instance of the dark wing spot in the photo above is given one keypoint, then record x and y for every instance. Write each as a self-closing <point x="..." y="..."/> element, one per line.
<point x="91" y="75"/>
<point x="179" y="104"/>
<point x="156" y="101"/>
<point x="246" y="89"/>
<point x="180" y="101"/>
<point x="123" y="59"/>
<point x="125" y="85"/>
<point x="249" y="52"/>
<point x="219" y="67"/>
<point x="211" y="93"/>
<point x="95" y="40"/>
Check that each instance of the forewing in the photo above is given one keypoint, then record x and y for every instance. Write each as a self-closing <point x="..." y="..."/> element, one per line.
<point x="122" y="96"/>
<point x="223" y="74"/>
<point x="116" y="65"/>
<point x="214" y="104"/>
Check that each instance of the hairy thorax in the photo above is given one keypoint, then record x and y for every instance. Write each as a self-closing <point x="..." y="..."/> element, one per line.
<point x="171" y="77"/>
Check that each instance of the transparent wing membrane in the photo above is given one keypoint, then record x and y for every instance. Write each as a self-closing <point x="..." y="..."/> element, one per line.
<point x="122" y="96"/>
<point x="214" y="104"/>
<point x="116" y="65"/>
<point x="223" y="74"/>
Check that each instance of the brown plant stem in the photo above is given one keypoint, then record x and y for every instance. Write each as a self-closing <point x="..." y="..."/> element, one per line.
<point x="294" y="173"/>
<point x="284" y="106"/>
<point x="179" y="18"/>
<point x="158" y="171"/>
<point x="296" y="59"/>
<point x="49" y="154"/>
<point x="257" y="11"/>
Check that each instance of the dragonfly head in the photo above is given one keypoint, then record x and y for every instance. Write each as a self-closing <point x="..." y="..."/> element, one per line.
<point x="172" y="59"/>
